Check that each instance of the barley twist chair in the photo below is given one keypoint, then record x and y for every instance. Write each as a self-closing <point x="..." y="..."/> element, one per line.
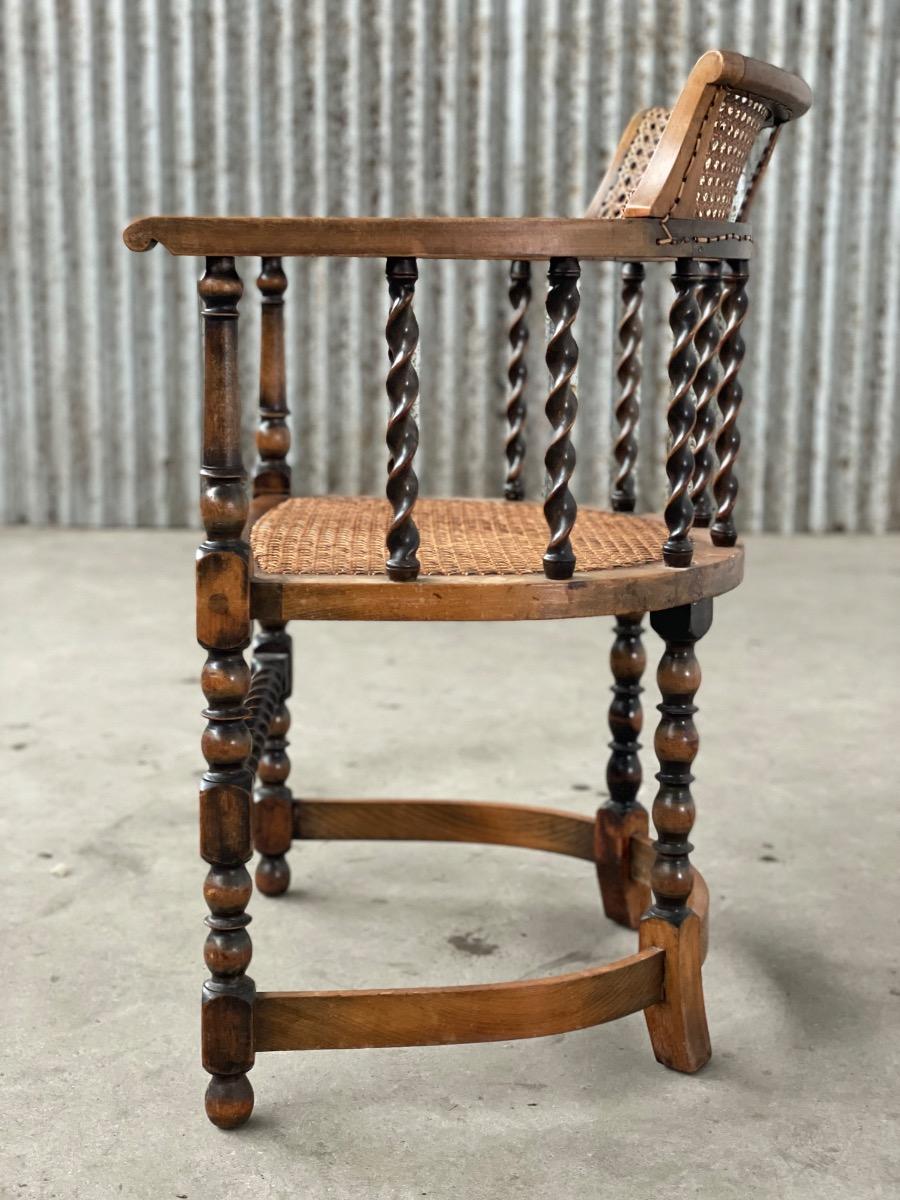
<point x="677" y="191"/>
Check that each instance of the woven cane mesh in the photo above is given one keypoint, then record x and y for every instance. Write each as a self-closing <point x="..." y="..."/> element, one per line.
<point x="344" y="535"/>
<point x="612" y="204"/>
<point x="710" y="186"/>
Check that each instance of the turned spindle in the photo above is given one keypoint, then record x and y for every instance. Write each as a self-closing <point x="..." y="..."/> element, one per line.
<point x="678" y="1025"/>
<point x="628" y="373"/>
<point x="730" y="395"/>
<point x="272" y="475"/>
<point x="402" y="334"/>
<point x="706" y="344"/>
<point x="562" y="405"/>
<point x="684" y="317"/>
<point x="273" y="803"/>
<point x="223" y="630"/>
<point x="517" y="373"/>
<point x="624" y="900"/>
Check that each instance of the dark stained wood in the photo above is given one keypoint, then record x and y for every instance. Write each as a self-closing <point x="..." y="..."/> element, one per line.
<point x="273" y="803"/>
<point x="223" y="629"/>
<point x="493" y="1012"/>
<point x="504" y="238"/>
<point x="499" y="597"/>
<point x="627" y="660"/>
<point x="562" y="405"/>
<point x="446" y="821"/>
<point x="676" y="743"/>
<point x="706" y="344"/>
<point x="622" y="817"/>
<point x="402" y="333"/>
<point x="517" y="374"/>
<point x="628" y="372"/>
<point x="272" y="475"/>
<point x="730" y="395"/>
<point x="684" y="317"/>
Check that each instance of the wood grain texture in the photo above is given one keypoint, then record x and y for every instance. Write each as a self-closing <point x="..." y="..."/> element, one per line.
<point x="713" y="570"/>
<point x="446" y="821"/>
<point x="440" y="237"/>
<point x="787" y="95"/>
<point x="677" y="1023"/>
<point x="492" y="1012"/>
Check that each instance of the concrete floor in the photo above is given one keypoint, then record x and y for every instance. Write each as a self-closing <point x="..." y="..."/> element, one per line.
<point x="797" y="838"/>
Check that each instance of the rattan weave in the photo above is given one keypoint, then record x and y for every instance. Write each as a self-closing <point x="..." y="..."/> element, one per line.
<point x="344" y="535"/>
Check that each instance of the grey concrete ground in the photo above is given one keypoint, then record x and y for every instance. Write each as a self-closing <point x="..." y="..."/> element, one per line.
<point x="797" y="837"/>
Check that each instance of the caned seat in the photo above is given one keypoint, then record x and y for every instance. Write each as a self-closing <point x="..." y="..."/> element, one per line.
<point x="323" y="557"/>
<point x="678" y="190"/>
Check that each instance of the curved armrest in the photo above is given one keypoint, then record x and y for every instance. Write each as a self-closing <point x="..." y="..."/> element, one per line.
<point x="442" y="237"/>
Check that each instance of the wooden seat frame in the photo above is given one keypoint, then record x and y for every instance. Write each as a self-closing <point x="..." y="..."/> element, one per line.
<point x="672" y="214"/>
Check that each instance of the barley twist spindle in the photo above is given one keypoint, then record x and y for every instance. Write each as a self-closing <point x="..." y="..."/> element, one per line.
<point x="730" y="395"/>
<point x="628" y="372"/>
<point x="562" y="405"/>
<point x="706" y="344"/>
<point x="223" y="629"/>
<point x="684" y="317"/>
<point x="517" y="372"/>
<point x="402" y="334"/>
<point x="272" y="475"/>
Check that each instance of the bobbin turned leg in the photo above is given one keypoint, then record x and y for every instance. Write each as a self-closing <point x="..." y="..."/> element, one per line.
<point x="624" y="899"/>
<point x="272" y="799"/>
<point x="677" y="1024"/>
<point x="223" y="629"/>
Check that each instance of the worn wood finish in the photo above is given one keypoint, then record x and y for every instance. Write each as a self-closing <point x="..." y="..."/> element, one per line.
<point x="402" y="333"/>
<point x="706" y="345"/>
<point x="517" y="374"/>
<point x="272" y="799"/>
<point x="504" y="238"/>
<point x="223" y="630"/>
<point x="562" y="406"/>
<point x="446" y="821"/>
<point x="628" y="372"/>
<point x="684" y="319"/>
<point x="493" y="1012"/>
<point x="677" y="1026"/>
<point x="730" y="394"/>
<point x="272" y="475"/>
<point x="499" y="597"/>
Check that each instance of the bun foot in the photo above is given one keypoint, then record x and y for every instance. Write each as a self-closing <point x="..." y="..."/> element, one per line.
<point x="229" y="1100"/>
<point x="273" y="875"/>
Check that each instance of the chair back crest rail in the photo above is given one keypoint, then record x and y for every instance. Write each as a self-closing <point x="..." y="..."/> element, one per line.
<point x="670" y="194"/>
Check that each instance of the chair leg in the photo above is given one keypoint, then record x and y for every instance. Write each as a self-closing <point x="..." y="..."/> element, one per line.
<point x="624" y="899"/>
<point x="677" y="1025"/>
<point x="272" y="800"/>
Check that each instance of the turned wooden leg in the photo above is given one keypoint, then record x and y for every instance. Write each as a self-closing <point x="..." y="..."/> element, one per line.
<point x="272" y="799"/>
<point x="223" y="630"/>
<point x="677" y="1025"/>
<point x="624" y="899"/>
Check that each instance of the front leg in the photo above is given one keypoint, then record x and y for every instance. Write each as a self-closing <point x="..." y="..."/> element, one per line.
<point x="677" y="1024"/>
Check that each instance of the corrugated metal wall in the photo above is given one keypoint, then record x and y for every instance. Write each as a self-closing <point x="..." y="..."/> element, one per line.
<point x="112" y="109"/>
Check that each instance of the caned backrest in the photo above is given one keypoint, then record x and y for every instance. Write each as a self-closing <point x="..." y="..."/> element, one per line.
<point x="688" y="162"/>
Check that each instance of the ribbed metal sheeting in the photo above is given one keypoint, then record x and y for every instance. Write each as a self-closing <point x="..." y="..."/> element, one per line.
<point x="113" y="109"/>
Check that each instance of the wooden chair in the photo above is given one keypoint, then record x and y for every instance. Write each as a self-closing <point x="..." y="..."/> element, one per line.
<point x="669" y="195"/>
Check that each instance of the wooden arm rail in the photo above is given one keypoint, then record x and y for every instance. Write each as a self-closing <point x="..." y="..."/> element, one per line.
<point x="442" y="237"/>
